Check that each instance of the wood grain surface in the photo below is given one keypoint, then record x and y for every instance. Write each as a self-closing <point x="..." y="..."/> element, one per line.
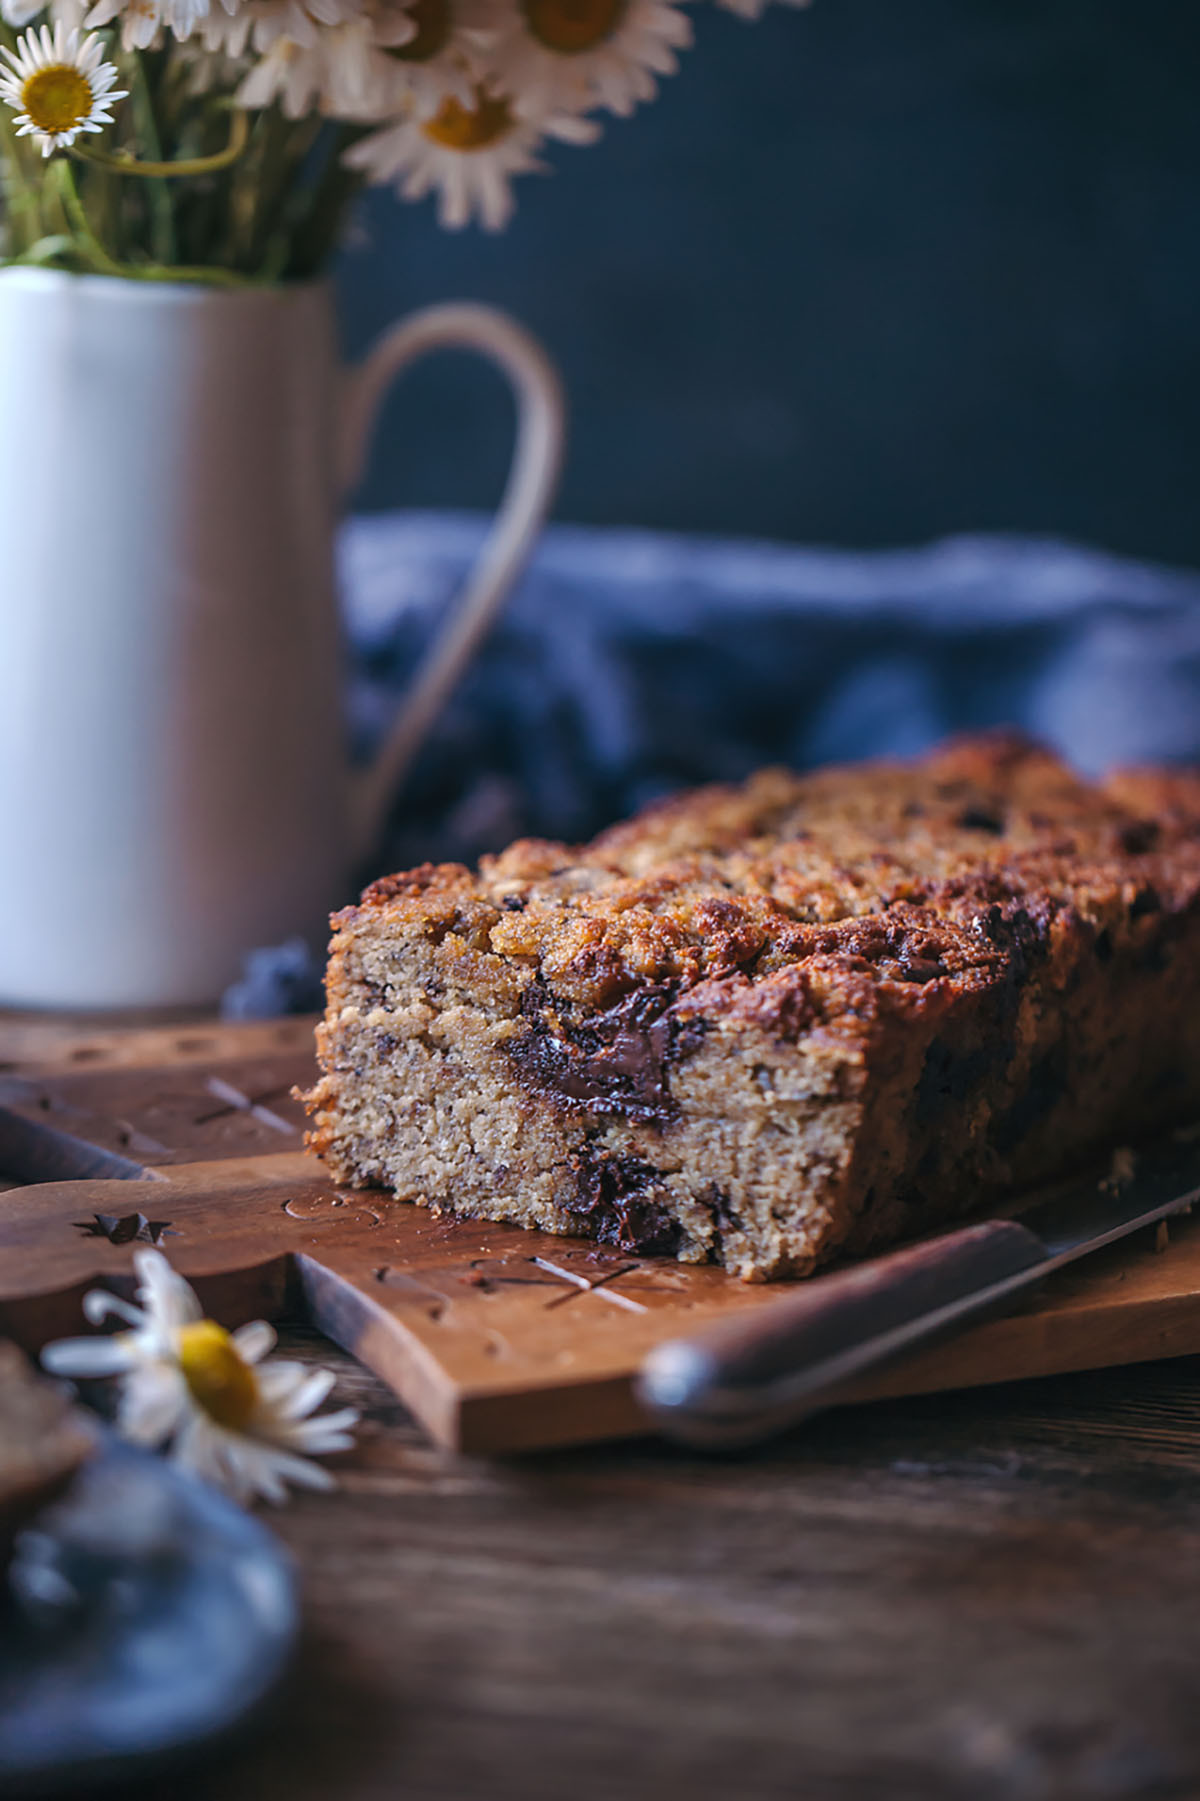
<point x="978" y="1597"/>
<point x="499" y="1340"/>
<point x="989" y="1595"/>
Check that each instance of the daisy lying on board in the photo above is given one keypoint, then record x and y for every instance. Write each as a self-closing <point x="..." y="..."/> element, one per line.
<point x="186" y="1383"/>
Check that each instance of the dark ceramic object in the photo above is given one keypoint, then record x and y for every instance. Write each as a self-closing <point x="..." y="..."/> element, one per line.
<point x="145" y="1616"/>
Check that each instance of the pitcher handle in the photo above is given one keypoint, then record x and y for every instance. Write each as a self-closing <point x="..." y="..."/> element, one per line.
<point x="532" y="479"/>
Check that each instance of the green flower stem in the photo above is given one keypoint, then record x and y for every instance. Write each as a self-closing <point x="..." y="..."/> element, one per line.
<point x="103" y="264"/>
<point x="283" y="196"/>
<point x="77" y="219"/>
<point x="200" y="277"/>
<point x="254" y="187"/>
<point x="46" y="250"/>
<point x="314" y="233"/>
<point x="21" y="199"/>
<point x="239" y="132"/>
<point x="162" y="218"/>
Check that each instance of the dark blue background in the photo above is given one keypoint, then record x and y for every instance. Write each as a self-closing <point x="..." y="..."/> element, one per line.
<point x="864" y="274"/>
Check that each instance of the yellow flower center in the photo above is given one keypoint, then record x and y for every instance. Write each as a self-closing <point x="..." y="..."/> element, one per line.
<point x="219" y="1378"/>
<point x="470" y="128"/>
<point x="57" y="98"/>
<point x="572" y="26"/>
<point x="432" y="20"/>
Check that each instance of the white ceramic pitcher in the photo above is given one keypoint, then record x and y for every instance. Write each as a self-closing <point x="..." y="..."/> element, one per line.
<point x="174" y="788"/>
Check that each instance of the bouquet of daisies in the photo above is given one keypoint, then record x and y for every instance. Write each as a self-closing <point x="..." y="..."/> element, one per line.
<point x="221" y="140"/>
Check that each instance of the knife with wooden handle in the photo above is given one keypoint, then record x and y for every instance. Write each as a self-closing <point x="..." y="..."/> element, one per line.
<point x="764" y="1371"/>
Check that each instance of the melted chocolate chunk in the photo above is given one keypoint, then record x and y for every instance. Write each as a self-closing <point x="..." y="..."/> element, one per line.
<point x="898" y="952"/>
<point x="720" y="1204"/>
<point x="981" y="819"/>
<point x="918" y="969"/>
<point x="611" y="1062"/>
<point x="1023" y="934"/>
<point x="1142" y="836"/>
<point x="615" y="1196"/>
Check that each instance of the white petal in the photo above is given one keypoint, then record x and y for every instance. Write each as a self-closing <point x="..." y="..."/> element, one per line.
<point x="198" y="1448"/>
<point x="169" y="1300"/>
<point x="305" y="1474"/>
<point x="493" y="197"/>
<point x="254" y="1475"/>
<point x="280" y="1377"/>
<point x="307" y="1396"/>
<point x="269" y="1464"/>
<point x="88" y="1356"/>
<point x="154" y="1404"/>
<point x="454" y="210"/>
<point x="253" y="1342"/>
<point x="99" y="1305"/>
<point x="303" y="1435"/>
<point x="573" y="130"/>
<point x="318" y="1444"/>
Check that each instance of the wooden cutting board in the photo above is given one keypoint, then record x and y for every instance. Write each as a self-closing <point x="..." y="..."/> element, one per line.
<point x="498" y="1340"/>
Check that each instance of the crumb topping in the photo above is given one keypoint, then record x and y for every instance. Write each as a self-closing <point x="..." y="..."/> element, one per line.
<point x="902" y="875"/>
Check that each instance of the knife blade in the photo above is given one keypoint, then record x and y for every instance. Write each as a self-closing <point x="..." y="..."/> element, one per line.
<point x="758" y="1374"/>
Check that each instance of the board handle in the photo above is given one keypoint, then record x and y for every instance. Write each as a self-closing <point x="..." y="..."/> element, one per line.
<point x="761" y="1372"/>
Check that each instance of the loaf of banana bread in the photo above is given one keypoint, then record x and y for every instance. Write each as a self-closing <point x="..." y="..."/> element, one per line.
<point x="772" y="1023"/>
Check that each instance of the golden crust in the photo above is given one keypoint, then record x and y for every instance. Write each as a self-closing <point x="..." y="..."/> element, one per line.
<point x="883" y="866"/>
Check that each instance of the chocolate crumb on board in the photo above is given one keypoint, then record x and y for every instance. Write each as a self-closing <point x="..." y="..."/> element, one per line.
<point x="770" y="1024"/>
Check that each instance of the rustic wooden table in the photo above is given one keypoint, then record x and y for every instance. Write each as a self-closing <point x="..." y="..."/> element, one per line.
<point x="982" y="1595"/>
<point x="991" y="1594"/>
<point x="987" y="1594"/>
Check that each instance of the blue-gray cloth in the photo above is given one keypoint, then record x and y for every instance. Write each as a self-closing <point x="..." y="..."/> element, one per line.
<point x="630" y="663"/>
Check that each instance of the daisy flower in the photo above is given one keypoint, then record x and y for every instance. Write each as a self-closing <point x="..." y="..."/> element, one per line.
<point x="343" y="75"/>
<point x="143" y="21"/>
<point x="232" y="1418"/>
<point x="59" y="85"/>
<point x="466" y="154"/>
<point x="345" y="70"/>
<point x="568" y="55"/>
<point x="440" y="60"/>
<point x="386" y="59"/>
<point x="262" y="23"/>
